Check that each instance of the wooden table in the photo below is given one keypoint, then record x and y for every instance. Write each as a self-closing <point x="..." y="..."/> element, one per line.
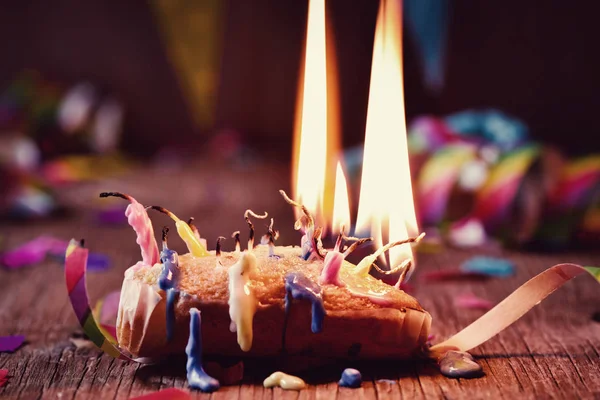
<point x="554" y="351"/>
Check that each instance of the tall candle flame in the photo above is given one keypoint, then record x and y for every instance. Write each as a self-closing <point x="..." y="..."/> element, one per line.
<point x="316" y="134"/>
<point x="386" y="191"/>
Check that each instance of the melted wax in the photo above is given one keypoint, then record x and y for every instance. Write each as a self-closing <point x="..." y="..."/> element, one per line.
<point x="196" y="376"/>
<point x="168" y="281"/>
<point x="351" y="378"/>
<point x="459" y="364"/>
<point x="299" y="287"/>
<point x="284" y="381"/>
<point x="242" y="302"/>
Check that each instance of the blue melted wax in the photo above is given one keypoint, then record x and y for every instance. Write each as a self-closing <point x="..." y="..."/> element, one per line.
<point x="351" y="378"/>
<point x="168" y="281"/>
<point x="196" y="376"/>
<point x="299" y="287"/>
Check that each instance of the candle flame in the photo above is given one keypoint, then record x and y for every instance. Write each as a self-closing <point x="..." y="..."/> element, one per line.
<point x="316" y="136"/>
<point x="341" y="207"/>
<point x="386" y="199"/>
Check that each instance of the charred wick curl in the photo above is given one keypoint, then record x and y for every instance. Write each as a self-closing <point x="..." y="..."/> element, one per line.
<point x="165" y="233"/>
<point x="310" y="222"/>
<point x="318" y="244"/>
<point x="251" y="225"/>
<point x="218" y="246"/>
<point x="164" y="211"/>
<point x="273" y="234"/>
<point x="355" y="245"/>
<point x="338" y="242"/>
<point x="193" y="227"/>
<point x="238" y="244"/>
<point x="115" y="194"/>
<point x="403" y="266"/>
<point x="408" y="264"/>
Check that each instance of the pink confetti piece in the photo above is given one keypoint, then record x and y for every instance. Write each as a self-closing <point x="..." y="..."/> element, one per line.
<point x="470" y="301"/>
<point x="453" y="275"/>
<point x="36" y="251"/>
<point x="9" y="344"/>
<point x="3" y="377"/>
<point x="170" y="394"/>
<point x="32" y="252"/>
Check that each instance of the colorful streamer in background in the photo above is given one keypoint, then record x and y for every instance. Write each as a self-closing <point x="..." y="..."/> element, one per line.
<point x="75" y="272"/>
<point x="192" y="33"/>
<point x="495" y="197"/>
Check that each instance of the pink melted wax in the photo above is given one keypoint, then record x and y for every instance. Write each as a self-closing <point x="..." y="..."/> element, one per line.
<point x="138" y="218"/>
<point x="358" y="285"/>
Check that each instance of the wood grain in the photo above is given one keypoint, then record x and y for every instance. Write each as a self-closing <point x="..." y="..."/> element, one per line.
<point x="552" y="352"/>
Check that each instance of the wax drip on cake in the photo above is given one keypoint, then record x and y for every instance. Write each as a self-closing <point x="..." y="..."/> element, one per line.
<point x="138" y="218"/>
<point x="218" y="250"/>
<point x="168" y="281"/>
<point x="311" y="243"/>
<point x="269" y="239"/>
<point x="299" y="287"/>
<point x="236" y="235"/>
<point x="186" y="233"/>
<point x="334" y="259"/>
<point x="196" y="376"/>
<point x="251" y="226"/>
<point x="365" y="265"/>
<point x="242" y="302"/>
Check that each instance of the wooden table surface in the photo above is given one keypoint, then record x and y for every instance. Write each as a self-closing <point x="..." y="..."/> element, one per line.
<point x="552" y="352"/>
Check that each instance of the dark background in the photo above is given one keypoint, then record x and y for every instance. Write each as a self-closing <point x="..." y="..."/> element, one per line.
<point x="537" y="60"/>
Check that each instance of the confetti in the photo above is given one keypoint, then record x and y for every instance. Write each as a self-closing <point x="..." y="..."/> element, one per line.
<point x="471" y="301"/>
<point x="32" y="252"/>
<point x="3" y="377"/>
<point x="36" y="251"/>
<point x="492" y="266"/>
<point x="170" y="394"/>
<point x="9" y="344"/>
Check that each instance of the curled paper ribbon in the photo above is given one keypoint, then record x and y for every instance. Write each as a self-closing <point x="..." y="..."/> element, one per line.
<point x="75" y="271"/>
<point x="513" y="307"/>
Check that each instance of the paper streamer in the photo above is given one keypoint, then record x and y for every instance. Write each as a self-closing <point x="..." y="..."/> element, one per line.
<point x="496" y="196"/>
<point x="513" y="307"/>
<point x="75" y="271"/>
<point x="577" y="181"/>
<point x="438" y="177"/>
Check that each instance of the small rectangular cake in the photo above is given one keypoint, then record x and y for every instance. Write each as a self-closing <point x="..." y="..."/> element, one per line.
<point x="363" y="316"/>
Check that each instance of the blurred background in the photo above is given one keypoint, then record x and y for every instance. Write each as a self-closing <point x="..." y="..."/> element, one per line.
<point x="90" y="89"/>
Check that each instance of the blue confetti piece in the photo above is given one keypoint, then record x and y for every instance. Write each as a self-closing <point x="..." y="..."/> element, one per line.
<point x="491" y="266"/>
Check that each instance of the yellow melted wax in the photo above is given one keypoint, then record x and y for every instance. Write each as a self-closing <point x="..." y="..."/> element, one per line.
<point x="242" y="302"/>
